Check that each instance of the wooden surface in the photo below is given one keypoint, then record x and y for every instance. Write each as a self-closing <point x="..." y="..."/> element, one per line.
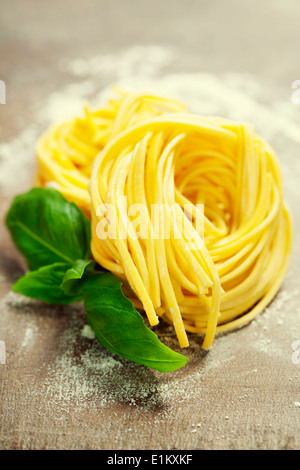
<point x="59" y="389"/>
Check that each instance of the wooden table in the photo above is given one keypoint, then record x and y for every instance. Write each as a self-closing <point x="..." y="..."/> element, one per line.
<point x="59" y="389"/>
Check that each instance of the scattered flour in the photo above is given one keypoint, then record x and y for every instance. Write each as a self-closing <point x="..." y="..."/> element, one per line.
<point x="87" y="332"/>
<point x="87" y="373"/>
<point x="29" y="336"/>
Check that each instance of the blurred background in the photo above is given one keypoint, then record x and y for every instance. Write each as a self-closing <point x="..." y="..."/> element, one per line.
<point x="39" y="38"/>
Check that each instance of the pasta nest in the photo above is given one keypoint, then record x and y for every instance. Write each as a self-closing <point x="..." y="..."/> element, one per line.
<point x="192" y="169"/>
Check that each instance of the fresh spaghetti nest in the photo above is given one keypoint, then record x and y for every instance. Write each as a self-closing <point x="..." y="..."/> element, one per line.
<point x="179" y="160"/>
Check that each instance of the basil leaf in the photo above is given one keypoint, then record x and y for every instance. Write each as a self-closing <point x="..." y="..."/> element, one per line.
<point x="71" y="281"/>
<point x="48" y="229"/>
<point x="54" y="237"/>
<point x="121" y="329"/>
<point x="44" y="284"/>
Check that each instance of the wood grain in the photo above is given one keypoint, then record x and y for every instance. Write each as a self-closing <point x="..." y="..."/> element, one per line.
<point x="59" y="389"/>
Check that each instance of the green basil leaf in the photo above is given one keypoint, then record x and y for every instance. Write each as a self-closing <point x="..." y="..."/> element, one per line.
<point x="44" y="284"/>
<point x="121" y="329"/>
<point x="48" y="229"/>
<point x="71" y="281"/>
<point x="54" y="237"/>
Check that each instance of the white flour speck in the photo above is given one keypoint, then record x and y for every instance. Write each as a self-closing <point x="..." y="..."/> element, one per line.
<point x="87" y="332"/>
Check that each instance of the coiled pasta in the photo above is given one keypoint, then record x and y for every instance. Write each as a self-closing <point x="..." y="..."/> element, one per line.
<point x="65" y="152"/>
<point x="231" y="272"/>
